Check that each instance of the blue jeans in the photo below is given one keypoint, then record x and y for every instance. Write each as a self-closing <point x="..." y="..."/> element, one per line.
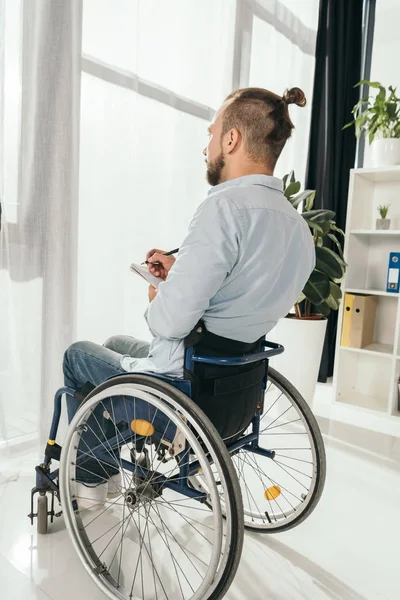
<point x="88" y="362"/>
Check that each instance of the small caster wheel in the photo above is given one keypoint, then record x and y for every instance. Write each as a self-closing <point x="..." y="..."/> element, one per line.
<point x="42" y="509"/>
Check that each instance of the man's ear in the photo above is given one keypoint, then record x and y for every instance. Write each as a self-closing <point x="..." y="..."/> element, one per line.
<point x="232" y="140"/>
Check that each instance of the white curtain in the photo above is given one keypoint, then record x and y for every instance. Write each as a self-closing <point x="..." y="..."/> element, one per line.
<point x="104" y="110"/>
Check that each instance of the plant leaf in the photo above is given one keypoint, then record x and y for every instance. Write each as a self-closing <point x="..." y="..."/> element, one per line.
<point x="301" y="298"/>
<point x="319" y="215"/>
<point x="315" y="227"/>
<point x="329" y="262"/>
<point x="335" y="296"/>
<point x="310" y="202"/>
<point x="332" y="303"/>
<point x="334" y="239"/>
<point x="292" y="188"/>
<point x="336" y="228"/>
<point x="324" y="308"/>
<point x="336" y="292"/>
<point x="373" y="84"/>
<point x="284" y="180"/>
<point x="317" y="287"/>
<point x="301" y="197"/>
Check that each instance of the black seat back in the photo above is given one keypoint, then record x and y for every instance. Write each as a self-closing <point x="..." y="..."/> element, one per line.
<point x="229" y="395"/>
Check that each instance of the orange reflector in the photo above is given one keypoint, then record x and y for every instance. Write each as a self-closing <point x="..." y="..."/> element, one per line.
<point x="141" y="427"/>
<point x="272" y="493"/>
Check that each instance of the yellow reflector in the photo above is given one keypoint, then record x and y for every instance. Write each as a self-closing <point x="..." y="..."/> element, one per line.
<point x="272" y="492"/>
<point x="141" y="427"/>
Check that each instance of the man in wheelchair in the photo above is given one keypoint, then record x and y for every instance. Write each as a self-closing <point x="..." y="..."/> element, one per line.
<point x="242" y="266"/>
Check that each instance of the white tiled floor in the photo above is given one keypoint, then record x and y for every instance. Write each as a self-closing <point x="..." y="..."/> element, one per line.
<point x="347" y="550"/>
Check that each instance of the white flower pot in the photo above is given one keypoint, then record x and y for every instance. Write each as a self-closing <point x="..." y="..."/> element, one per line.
<point x="303" y="341"/>
<point x="385" y="152"/>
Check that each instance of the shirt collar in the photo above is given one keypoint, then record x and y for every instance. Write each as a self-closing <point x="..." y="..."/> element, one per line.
<point x="265" y="180"/>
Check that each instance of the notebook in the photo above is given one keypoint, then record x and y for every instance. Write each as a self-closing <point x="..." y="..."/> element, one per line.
<point x="144" y="272"/>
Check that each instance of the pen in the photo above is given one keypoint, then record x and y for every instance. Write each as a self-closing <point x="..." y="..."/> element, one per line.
<point x="165" y="254"/>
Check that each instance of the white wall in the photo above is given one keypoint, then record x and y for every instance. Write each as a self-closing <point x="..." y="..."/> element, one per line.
<point x="385" y="65"/>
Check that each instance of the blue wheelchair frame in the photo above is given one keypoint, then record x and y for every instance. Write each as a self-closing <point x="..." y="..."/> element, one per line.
<point x="46" y="479"/>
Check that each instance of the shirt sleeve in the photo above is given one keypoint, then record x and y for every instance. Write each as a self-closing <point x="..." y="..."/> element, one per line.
<point x="206" y="257"/>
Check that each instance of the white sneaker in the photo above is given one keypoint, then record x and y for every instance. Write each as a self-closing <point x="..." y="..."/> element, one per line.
<point x="91" y="496"/>
<point x="114" y="486"/>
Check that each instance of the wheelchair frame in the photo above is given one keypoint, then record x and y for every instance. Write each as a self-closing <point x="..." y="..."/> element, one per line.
<point x="46" y="480"/>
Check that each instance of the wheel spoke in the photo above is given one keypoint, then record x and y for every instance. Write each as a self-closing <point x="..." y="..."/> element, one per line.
<point x="291" y="464"/>
<point x="251" y="457"/>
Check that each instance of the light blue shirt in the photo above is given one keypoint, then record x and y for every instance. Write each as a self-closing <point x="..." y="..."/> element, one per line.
<point x="242" y="266"/>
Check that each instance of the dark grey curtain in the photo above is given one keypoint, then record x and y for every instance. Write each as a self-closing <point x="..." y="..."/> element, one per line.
<point x="332" y="151"/>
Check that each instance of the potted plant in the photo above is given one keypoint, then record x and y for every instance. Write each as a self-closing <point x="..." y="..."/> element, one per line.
<point x="305" y="328"/>
<point x="383" y="222"/>
<point x="379" y="118"/>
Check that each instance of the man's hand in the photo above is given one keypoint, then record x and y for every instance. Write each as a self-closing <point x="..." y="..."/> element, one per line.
<point x="159" y="265"/>
<point x="152" y="293"/>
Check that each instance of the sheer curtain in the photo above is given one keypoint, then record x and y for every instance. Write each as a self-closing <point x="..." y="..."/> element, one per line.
<point x="283" y="56"/>
<point x="40" y="116"/>
<point x="142" y="170"/>
<point x="104" y="109"/>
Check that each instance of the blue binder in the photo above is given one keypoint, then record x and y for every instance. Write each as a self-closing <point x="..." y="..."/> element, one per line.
<point x="393" y="276"/>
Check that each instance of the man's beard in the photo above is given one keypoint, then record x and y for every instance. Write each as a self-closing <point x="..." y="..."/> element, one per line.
<point x="214" y="171"/>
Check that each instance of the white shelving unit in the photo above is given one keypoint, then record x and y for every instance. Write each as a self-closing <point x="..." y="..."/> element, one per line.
<point x="365" y="380"/>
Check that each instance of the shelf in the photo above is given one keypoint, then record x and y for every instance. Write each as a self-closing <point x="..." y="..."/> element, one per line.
<point x="376" y="232"/>
<point x="363" y="401"/>
<point x="385" y="350"/>
<point x="365" y="379"/>
<point x="380" y="174"/>
<point x="371" y="292"/>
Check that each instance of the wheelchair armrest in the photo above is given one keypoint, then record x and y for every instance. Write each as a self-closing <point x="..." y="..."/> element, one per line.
<point x="271" y="349"/>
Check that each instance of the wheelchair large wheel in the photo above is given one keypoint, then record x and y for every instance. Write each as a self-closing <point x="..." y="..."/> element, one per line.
<point x="157" y="539"/>
<point x="281" y="476"/>
<point x="279" y="492"/>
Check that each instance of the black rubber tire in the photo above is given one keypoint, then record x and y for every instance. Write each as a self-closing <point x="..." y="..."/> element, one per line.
<point x="219" y="447"/>
<point x="42" y="508"/>
<point x="298" y="400"/>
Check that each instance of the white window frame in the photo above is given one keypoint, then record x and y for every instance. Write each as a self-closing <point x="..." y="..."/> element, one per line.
<point x="270" y="11"/>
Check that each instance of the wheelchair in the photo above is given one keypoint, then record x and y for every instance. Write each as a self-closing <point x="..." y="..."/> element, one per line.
<point x="174" y="527"/>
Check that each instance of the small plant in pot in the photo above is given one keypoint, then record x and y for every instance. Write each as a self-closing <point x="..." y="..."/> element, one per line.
<point x="322" y="293"/>
<point x="383" y="222"/>
<point x="378" y="117"/>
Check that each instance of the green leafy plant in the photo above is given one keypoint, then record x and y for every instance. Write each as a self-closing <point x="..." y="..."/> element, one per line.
<point x="322" y="288"/>
<point x="383" y="210"/>
<point x="377" y="114"/>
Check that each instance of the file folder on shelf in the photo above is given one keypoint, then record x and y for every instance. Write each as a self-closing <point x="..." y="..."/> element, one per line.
<point x="393" y="280"/>
<point x="358" y="320"/>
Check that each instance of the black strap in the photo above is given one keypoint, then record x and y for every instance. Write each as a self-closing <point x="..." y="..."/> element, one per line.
<point x="84" y="391"/>
<point x="196" y="335"/>
<point x="238" y="383"/>
<point x="217" y="344"/>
